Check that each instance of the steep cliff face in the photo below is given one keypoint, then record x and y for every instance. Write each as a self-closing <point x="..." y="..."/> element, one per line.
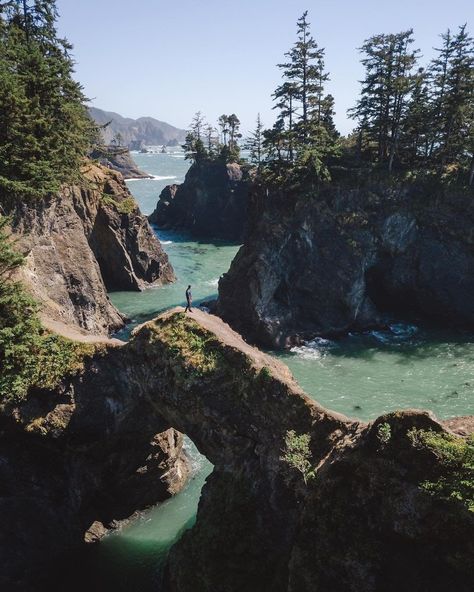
<point x="364" y="520"/>
<point x="83" y="242"/>
<point x="211" y="203"/>
<point x="73" y="462"/>
<point x="334" y="262"/>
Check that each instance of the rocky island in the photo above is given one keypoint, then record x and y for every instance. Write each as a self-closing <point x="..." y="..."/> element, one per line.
<point x="336" y="260"/>
<point x="211" y="203"/>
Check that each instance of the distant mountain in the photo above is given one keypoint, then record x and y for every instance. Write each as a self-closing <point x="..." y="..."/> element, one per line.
<point x="144" y="131"/>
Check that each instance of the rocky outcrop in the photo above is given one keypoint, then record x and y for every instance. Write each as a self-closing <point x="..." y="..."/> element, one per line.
<point x="333" y="262"/>
<point x="211" y="203"/>
<point x="120" y="160"/>
<point x="363" y="519"/>
<point x="83" y="242"/>
<point x="71" y="467"/>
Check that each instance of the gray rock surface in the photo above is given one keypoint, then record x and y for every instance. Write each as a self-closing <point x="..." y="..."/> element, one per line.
<point x="211" y="203"/>
<point x="336" y="262"/>
<point x="77" y="456"/>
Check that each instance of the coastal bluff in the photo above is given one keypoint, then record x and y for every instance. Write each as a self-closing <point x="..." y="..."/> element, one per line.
<point x="260" y="525"/>
<point x="83" y="242"/>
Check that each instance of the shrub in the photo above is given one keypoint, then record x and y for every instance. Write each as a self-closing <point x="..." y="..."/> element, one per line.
<point x="456" y="462"/>
<point x="297" y="454"/>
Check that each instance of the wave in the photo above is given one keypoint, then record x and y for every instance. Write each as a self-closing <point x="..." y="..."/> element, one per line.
<point x="214" y="282"/>
<point x="397" y="332"/>
<point x="166" y="242"/>
<point x="316" y="349"/>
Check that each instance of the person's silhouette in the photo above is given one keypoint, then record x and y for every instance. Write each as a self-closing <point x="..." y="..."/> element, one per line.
<point x="189" y="300"/>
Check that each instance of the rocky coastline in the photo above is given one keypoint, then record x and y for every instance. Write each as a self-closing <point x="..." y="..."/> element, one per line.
<point x="337" y="260"/>
<point x="83" y="242"/>
<point x="89" y="452"/>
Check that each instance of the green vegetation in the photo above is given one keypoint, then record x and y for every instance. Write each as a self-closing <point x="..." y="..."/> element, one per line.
<point x="455" y="457"/>
<point x="189" y="342"/>
<point x="297" y="454"/>
<point x="30" y="357"/>
<point x="204" y="142"/>
<point x="414" y="122"/>
<point x="45" y="130"/>
<point x="124" y="206"/>
<point x="384" y="433"/>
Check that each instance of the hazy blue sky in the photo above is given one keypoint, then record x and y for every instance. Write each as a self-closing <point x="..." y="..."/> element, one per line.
<point x="171" y="58"/>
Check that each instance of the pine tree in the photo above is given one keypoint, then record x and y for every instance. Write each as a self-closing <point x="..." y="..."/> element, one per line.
<point x="45" y="130"/>
<point x="304" y="134"/>
<point x="417" y="126"/>
<point x="254" y="144"/>
<point x="304" y="71"/>
<point x="385" y="92"/>
<point x="193" y="146"/>
<point x="452" y="81"/>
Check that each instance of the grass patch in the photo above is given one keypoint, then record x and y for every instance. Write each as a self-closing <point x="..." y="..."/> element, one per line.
<point x="185" y="339"/>
<point x="455" y="456"/>
<point x="124" y="206"/>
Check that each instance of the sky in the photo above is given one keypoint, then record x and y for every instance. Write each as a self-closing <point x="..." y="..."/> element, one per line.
<point x="169" y="59"/>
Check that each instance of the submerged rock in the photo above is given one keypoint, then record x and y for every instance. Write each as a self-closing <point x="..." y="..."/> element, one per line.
<point x="211" y="203"/>
<point x="335" y="261"/>
<point x="83" y="242"/>
<point x="368" y="511"/>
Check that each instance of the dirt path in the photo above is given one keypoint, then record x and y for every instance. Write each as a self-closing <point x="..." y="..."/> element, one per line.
<point x="78" y="334"/>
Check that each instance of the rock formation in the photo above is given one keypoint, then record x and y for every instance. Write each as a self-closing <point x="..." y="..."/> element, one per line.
<point x="83" y="242"/>
<point x="120" y="160"/>
<point x="364" y="520"/>
<point x="211" y="203"/>
<point x="335" y="261"/>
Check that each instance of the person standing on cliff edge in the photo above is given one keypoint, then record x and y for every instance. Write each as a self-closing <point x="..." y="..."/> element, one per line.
<point x="189" y="300"/>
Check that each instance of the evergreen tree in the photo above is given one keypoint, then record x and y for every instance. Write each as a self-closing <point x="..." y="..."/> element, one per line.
<point x="304" y="134"/>
<point x="193" y="146"/>
<point x="254" y="144"/>
<point x="224" y="126"/>
<point x="452" y="81"/>
<point x="385" y="93"/>
<point x="417" y="126"/>
<point x="45" y="130"/>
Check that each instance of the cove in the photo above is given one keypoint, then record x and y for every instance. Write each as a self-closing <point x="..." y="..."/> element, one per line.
<point x="409" y="365"/>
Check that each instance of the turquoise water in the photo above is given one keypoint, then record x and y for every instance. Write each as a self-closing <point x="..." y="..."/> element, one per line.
<point x="360" y="375"/>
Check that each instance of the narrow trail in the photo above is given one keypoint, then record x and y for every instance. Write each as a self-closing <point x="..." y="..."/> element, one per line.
<point x="78" y="334"/>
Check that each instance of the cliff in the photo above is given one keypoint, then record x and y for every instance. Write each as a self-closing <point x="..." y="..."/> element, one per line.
<point x="120" y="160"/>
<point x="137" y="132"/>
<point x="83" y="242"/>
<point x="335" y="261"/>
<point x="211" y="203"/>
<point x="382" y="506"/>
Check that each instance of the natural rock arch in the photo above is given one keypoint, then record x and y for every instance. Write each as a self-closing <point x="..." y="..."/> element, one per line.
<point x="362" y="523"/>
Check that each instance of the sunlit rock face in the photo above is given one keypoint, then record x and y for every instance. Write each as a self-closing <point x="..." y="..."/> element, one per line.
<point x="83" y="242"/>
<point x="334" y="261"/>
